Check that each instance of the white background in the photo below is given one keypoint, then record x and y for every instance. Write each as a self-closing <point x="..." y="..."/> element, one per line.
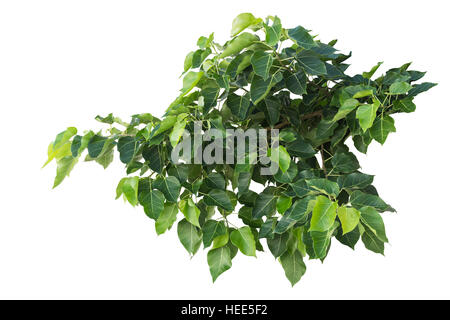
<point x="64" y="62"/>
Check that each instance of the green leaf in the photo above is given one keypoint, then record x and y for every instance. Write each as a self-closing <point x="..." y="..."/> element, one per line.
<point x="324" y="214"/>
<point x="154" y="158"/>
<point x="349" y="218"/>
<point x="167" y="218"/>
<point x="301" y="148"/>
<point x="296" y="83"/>
<point x="302" y="37"/>
<point x="324" y="186"/>
<point x="372" y="243"/>
<point x="283" y="203"/>
<point x="239" y="105"/>
<point x="64" y="137"/>
<point x="400" y="87"/>
<point x="220" y="199"/>
<point x="64" y="167"/>
<point x="262" y="62"/>
<point x="349" y="239"/>
<point x="348" y="106"/>
<point x="190" y="211"/>
<point x="298" y="212"/>
<point x="244" y="240"/>
<point x="190" y="80"/>
<point x="239" y="43"/>
<point x="281" y="156"/>
<point x="372" y="219"/>
<point x="366" y="114"/>
<point x="259" y="87"/>
<point x="178" y="129"/>
<point x="211" y="230"/>
<point x="405" y="105"/>
<point x="95" y="146"/>
<point x="242" y="22"/>
<point x="355" y="180"/>
<point x="127" y="147"/>
<point x="278" y="244"/>
<point x="312" y="65"/>
<point x="272" y="111"/>
<point x="289" y="175"/>
<point x="219" y="261"/>
<point x="300" y="188"/>
<point x="321" y="241"/>
<point x="244" y="180"/>
<point x="293" y="265"/>
<point x="359" y="199"/>
<point x="345" y="162"/>
<point x="190" y="236"/>
<point x="368" y="75"/>
<point x="381" y="128"/>
<point x="169" y="186"/>
<point x="129" y="188"/>
<point x="239" y="63"/>
<point x="152" y="201"/>
<point x="273" y="32"/>
<point x="419" y="88"/>
<point x="265" y="205"/>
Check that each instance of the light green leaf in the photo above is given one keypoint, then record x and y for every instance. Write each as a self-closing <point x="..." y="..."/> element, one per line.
<point x="324" y="214"/>
<point x="368" y="75"/>
<point x="399" y="87"/>
<point x="167" y="218"/>
<point x="64" y="167"/>
<point x="349" y="218"/>
<point x="242" y="22"/>
<point x="281" y="156"/>
<point x="219" y="261"/>
<point x="283" y="203"/>
<point x="244" y="240"/>
<point x="190" y="211"/>
<point x="239" y="43"/>
<point x="321" y="241"/>
<point x="178" y="129"/>
<point x="190" y="80"/>
<point x="366" y="114"/>
<point x="129" y="188"/>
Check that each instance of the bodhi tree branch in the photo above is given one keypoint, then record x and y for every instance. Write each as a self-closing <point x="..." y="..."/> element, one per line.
<point x="265" y="76"/>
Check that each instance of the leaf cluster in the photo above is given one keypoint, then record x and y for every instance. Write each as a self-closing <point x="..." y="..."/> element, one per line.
<point x="265" y="76"/>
